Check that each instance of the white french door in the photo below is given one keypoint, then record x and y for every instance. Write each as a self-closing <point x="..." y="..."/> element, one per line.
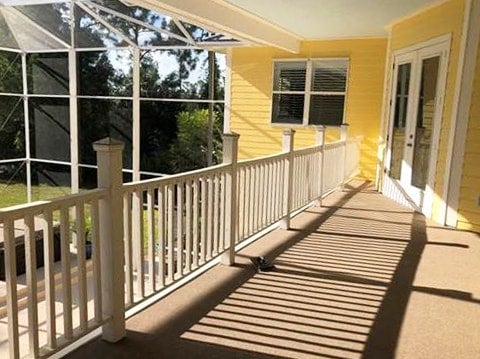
<point x="415" y="120"/>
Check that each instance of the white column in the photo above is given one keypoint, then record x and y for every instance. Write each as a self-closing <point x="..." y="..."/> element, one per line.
<point x="109" y="160"/>
<point x="136" y="115"/>
<point x="211" y="97"/>
<point x="230" y="156"/>
<point x="228" y="93"/>
<point x="320" y="141"/>
<point x="26" y="120"/>
<point x="287" y="146"/>
<point x="74" y="160"/>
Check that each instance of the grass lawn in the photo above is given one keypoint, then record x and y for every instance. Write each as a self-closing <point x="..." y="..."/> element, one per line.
<point x="16" y="193"/>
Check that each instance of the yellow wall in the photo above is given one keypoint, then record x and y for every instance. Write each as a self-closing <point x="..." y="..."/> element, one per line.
<point x="469" y="211"/>
<point x="252" y="70"/>
<point x="446" y="18"/>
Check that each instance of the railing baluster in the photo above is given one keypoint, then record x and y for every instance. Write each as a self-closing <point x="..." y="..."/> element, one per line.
<point x="11" y="283"/>
<point x="127" y="235"/>
<point x="278" y="190"/>
<point x="251" y="211"/>
<point x="268" y="195"/>
<point x="180" y="229"/>
<point x="137" y="244"/>
<point x="261" y="194"/>
<point x="49" y="280"/>
<point x="96" y="258"/>
<point x="273" y="195"/>
<point x="188" y="226"/>
<point x="170" y="231"/>
<point x="151" y="240"/>
<point x="81" y="265"/>
<point x="66" y="272"/>
<point x="210" y="217"/>
<point x="254" y="199"/>
<point x="241" y="203"/>
<point x="31" y="273"/>
<point x="216" y="213"/>
<point x="222" y="214"/>
<point x="203" y="221"/>
<point x="304" y="188"/>
<point x="161" y="235"/>
<point x="196" y="197"/>
<point x="265" y="189"/>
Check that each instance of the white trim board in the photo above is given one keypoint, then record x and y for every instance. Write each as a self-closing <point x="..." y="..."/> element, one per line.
<point x="441" y="47"/>
<point x="461" y="111"/>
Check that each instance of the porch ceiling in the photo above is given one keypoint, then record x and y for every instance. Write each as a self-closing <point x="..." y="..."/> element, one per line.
<point x="283" y="23"/>
<point x="314" y="19"/>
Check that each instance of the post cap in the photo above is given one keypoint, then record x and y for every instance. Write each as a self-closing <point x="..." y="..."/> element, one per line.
<point x="231" y="134"/>
<point x="108" y="144"/>
<point x="288" y="131"/>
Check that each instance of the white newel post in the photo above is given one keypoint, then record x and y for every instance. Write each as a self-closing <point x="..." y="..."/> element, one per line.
<point x="109" y="161"/>
<point x="343" y="138"/>
<point x="230" y="156"/>
<point x="287" y="146"/>
<point x="320" y="141"/>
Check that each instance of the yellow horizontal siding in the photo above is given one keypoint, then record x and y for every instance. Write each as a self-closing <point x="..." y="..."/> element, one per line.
<point x="252" y="70"/>
<point x="469" y="211"/>
<point x="446" y="18"/>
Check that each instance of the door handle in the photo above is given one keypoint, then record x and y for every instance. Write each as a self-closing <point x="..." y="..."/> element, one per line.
<point x="409" y="144"/>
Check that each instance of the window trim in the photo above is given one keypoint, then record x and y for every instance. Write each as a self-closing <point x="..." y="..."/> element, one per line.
<point x="307" y="92"/>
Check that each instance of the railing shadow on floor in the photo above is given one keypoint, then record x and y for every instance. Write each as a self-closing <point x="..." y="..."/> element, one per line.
<point x="346" y="299"/>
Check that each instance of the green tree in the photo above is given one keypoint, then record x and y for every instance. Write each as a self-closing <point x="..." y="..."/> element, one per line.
<point x="189" y="151"/>
<point x="12" y="128"/>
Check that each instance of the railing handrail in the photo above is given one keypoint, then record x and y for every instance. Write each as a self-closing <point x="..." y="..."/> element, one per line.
<point x="152" y="182"/>
<point x="32" y="208"/>
<point x="271" y="158"/>
<point x="334" y="144"/>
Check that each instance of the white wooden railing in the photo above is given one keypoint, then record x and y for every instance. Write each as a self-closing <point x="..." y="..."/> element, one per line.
<point x="172" y="226"/>
<point x="33" y="305"/>
<point x="260" y="194"/>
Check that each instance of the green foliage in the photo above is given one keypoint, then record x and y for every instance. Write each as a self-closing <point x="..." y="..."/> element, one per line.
<point x="173" y="134"/>
<point x="189" y="151"/>
<point x="12" y="139"/>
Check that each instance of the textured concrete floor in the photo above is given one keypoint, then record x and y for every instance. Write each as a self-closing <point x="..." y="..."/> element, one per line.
<point x="360" y="277"/>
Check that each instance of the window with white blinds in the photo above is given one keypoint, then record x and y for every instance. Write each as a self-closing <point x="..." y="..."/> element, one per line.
<point x="309" y="92"/>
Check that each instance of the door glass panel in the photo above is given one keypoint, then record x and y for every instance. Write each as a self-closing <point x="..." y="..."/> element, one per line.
<point x="399" y="120"/>
<point x="424" y="123"/>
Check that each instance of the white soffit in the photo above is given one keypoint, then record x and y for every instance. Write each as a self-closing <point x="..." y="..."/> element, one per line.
<point x="223" y="17"/>
<point x="324" y="19"/>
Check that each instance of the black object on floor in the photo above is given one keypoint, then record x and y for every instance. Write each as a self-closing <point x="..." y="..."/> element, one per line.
<point x="262" y="264"/>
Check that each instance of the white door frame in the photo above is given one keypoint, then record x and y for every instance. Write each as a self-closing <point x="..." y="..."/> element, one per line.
<point x="415" y="54"/>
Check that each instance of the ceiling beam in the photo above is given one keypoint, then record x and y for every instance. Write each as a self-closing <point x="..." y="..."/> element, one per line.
<point x="220" y="16"/>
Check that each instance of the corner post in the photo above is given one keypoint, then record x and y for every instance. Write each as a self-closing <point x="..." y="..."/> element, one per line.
<point x="230" y="156"/>
<point x="288" y="147"/>
<point x="343" y="138"/>
<point x="109" y="161"/>
<point x="320" y="141"/>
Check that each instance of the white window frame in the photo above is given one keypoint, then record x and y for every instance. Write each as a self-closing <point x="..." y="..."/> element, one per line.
<point x="307" y="92"/>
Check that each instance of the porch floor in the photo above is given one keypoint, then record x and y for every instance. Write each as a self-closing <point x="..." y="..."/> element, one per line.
<point x="360" y="277"/>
